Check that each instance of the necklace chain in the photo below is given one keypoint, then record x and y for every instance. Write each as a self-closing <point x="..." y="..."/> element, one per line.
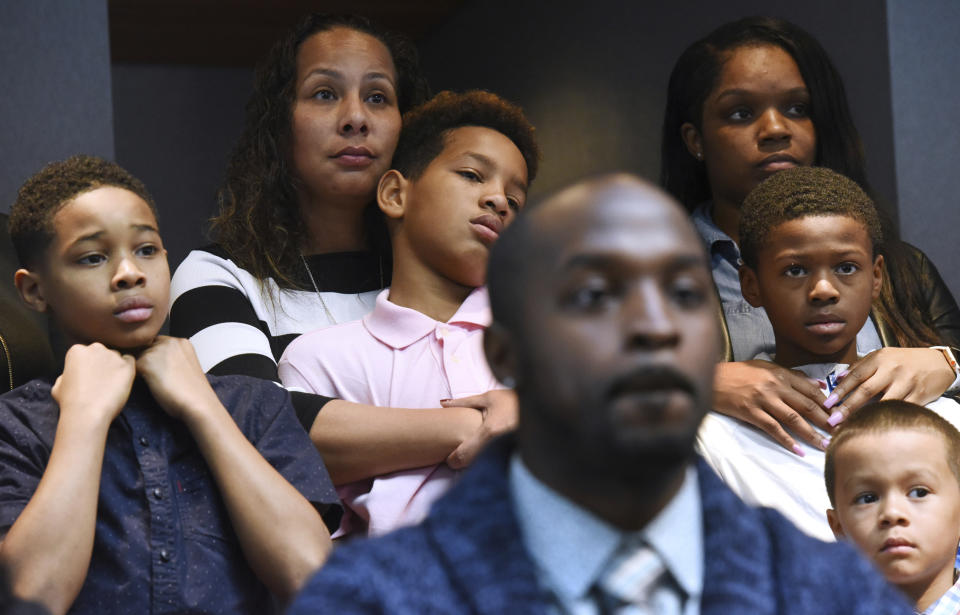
<point x="316" y="288"/>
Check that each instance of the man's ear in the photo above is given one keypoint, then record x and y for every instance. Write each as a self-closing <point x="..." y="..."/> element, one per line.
<point x="30" y="289"/>
<point x="392" y="194"/>
<point x="498" y="346"/>
<point x="750" y="286"/>
<point x="835" y="526"/>
<point x="877" y="275"/>
<point x="691" y="138"/>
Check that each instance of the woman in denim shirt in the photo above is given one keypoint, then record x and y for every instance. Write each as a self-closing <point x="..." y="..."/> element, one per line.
<point x="753" y="97"/>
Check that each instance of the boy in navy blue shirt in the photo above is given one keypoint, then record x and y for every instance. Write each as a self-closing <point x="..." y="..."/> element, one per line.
<point x="133" y="484"/>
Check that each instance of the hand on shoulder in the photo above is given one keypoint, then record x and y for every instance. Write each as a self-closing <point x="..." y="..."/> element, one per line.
<point x="917" y="375"/>
<point x="773" y="399"/>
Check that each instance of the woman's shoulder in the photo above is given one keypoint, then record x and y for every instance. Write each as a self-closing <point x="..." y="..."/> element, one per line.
<point x="209" y="266"/>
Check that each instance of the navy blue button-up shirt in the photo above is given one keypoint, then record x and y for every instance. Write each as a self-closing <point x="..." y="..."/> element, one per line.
<point x="164" y="542"/>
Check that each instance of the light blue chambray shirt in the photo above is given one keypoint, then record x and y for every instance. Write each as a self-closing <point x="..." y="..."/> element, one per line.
<point x="571" y="547"/>
<point x="947" y="604"/>
<point x="749" y="327"/>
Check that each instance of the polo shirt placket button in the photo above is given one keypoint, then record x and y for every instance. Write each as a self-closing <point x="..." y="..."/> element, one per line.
<point x="157" y="493"/>
<point x="164" y="555"/>
<point x="144" y="441"/>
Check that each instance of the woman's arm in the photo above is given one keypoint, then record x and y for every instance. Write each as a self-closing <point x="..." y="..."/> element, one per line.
<point x="359" y="441"/>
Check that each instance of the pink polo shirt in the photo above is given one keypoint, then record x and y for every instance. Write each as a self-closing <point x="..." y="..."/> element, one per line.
<point x="400" y="358"/>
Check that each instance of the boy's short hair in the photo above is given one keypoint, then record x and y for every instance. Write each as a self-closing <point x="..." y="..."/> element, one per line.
<point x="891" y="415"/>
<point x="426" y="126"/>
<point x="46" y="191"/>
<point x="797" y="193"/>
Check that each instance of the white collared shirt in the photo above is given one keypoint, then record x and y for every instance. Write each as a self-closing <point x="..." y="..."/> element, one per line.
<point x="763" y="473"/>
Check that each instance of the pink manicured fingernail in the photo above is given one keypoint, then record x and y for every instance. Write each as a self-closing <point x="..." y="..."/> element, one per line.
<point x="843" y="374"/>
<point x="835" y="418"/>
<point x="831" y="401"/>
<point x="798" y="450"/>
<point x="825" y="442"/>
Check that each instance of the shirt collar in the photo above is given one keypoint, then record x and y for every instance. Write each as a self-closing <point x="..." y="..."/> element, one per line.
<point x="398" y="326"/>
<point x="571" y="545"/>
<point x="816" y="371"/>
<point x="716" y="241"/>
<point x="702" y="217"/>
<point x="947" y="604"/>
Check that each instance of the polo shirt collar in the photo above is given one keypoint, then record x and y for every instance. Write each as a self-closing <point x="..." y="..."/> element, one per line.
<point x="398" y="326"/>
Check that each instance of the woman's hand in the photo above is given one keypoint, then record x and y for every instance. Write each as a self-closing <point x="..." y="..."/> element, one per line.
<point x="499" y="411"/>
<point x="773" y="399"/>
<point x="917" y="375"/>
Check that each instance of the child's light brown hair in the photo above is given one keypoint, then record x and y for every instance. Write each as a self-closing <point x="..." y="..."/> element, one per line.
<point x="891" y="415"/>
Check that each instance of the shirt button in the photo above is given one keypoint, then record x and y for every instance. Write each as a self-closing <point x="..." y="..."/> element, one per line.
<point x="164" y="555"/>
<point x="157" y="493"/>
<point x="144" y="441"/>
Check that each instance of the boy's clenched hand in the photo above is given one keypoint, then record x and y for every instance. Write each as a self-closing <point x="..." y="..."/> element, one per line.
<point x="170" y="368"/>
<point x="95" y="383"/>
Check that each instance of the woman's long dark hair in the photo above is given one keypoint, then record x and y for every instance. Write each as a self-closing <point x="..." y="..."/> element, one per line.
<point x="696" y="72"/>
<point x="901" y="303"/>
<point x="259" y="223"/>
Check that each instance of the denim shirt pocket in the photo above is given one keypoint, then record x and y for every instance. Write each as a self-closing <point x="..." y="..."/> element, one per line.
<point x="201" y="509"/>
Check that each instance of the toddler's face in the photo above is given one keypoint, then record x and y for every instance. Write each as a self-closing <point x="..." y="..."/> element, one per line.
<point x="897" y="499"/>
<point x="816" y="278"/>
<point x="105" y="276"/>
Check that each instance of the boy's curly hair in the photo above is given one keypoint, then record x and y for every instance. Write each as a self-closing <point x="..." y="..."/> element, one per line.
<point x="46" y="191"/>
<point x="425" y="127"/>
<point x="798" y="193"/>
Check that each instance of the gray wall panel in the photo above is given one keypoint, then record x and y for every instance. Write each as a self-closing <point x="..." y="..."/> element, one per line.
<point x="925" y="85"/>
<point x="55" y="72"/>
<point x="175" y="126"/>
<point x="593" y="75"/>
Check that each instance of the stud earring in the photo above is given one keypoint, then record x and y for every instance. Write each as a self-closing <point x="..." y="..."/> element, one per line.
<point x="699" y="156"/>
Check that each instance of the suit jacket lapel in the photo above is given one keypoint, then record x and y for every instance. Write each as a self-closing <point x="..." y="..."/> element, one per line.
<point x="475" y="531"/>
<point x="739" y="566"/>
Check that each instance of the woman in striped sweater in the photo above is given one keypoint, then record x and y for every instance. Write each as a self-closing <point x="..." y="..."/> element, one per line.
<point x="300" y="243"/>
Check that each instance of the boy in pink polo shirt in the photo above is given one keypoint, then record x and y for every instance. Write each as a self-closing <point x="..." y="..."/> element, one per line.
<point x="459" y="176"/>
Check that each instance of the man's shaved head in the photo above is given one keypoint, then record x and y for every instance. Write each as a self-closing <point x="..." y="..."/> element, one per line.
<point x="605" y="317"/>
